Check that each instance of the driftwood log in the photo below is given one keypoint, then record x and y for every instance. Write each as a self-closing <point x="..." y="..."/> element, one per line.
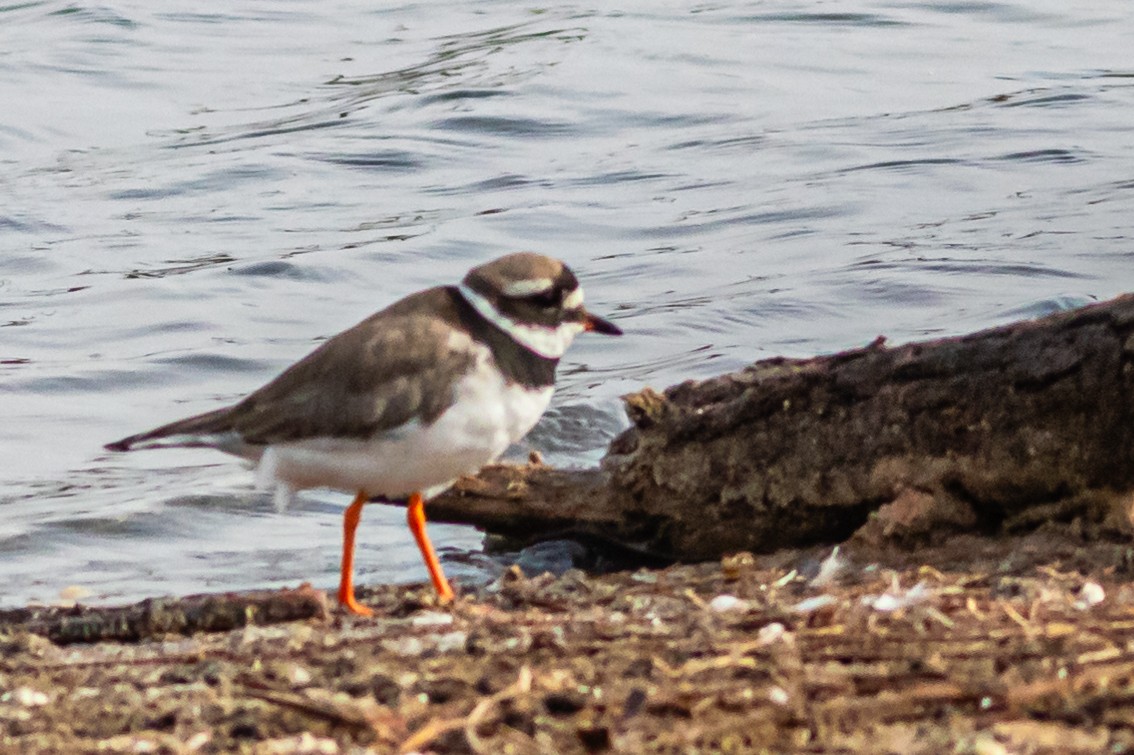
<point x="997" y="431"/>
<point x="157" y="617"/>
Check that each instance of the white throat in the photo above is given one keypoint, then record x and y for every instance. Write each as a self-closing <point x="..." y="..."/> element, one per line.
<point x="551" y="343"/>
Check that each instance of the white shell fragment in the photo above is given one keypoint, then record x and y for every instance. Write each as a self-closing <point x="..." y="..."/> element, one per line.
<point x="829" y="569"/>
<point x="811" y="605"/>
<point x="895" y="599"/>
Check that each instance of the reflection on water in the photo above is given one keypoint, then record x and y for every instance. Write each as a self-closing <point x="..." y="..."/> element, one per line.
<point x="191" y="201"/>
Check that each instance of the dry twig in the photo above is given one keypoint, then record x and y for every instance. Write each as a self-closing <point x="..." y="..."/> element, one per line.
<point x="436" y="727"/>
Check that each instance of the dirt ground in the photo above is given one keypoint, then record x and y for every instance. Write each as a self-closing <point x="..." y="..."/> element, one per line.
<point x="981" y="646"/>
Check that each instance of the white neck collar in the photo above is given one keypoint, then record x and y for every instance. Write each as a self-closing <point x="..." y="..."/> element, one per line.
<point x="551" y="343"/>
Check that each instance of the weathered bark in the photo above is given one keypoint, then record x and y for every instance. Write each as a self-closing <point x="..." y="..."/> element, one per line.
<point x="1002" y="429"/>
<point x="157" y="617"/>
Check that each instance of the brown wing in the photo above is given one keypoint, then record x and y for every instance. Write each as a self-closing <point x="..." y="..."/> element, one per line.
<point x="365" y="381"/>
<point x="394" y="367"/>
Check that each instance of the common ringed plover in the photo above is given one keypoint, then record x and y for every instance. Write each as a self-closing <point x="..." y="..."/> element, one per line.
<point x="433" y="387"/>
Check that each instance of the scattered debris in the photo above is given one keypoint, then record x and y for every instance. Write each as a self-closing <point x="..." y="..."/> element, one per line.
<point x="977" y="646"/>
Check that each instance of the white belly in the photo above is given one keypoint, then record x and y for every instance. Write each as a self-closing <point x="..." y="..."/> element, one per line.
<point x="487" y="417"/>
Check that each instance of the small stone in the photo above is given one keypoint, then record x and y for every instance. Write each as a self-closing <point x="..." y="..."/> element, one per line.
<point x="127" y="743"/>
<point x="771" y="633"/>
<point x="69" y="595"/>
<point x="725" y="603"/>
<point x="644" y="576"/>
<point x="1090" y="594"/>
<point x="29" y="697"/>
<point x="432" y="619"/>
<point x="298" y="676"/>
<point x="451" y="642"/>
<point x="735" y="565"/>
<point x="409" y="647"/>
<point x="986" y="744"/>
<point x="197" y="741"/>
<point x="513" y="575"/>
<point x="779" y="696"/>
<point x="301" y="744"/>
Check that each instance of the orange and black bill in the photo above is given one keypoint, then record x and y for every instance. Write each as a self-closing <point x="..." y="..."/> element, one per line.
<point x="596" y="324"/>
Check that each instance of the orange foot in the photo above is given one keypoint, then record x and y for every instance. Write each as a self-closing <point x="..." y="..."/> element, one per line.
<point x="415" y="515"/>
<point x="346" y="573"/>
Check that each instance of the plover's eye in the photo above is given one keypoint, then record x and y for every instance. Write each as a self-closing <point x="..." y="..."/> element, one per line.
<point x="548" y="299"/>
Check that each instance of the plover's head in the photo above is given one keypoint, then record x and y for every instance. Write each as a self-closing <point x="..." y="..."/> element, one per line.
<point x="537" y="300"/>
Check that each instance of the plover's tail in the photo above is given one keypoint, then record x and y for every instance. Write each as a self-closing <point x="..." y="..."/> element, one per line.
<point x="212" y="430"/>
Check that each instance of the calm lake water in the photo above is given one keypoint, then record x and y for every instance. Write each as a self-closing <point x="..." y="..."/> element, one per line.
<point x="191" y="201"/>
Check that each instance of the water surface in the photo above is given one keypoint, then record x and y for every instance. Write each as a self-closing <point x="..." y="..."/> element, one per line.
<point x="190" y="201"/>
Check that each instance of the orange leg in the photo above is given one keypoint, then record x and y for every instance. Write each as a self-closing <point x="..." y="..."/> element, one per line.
<point x="415" y="514"/>
<point x="346" y="575"/>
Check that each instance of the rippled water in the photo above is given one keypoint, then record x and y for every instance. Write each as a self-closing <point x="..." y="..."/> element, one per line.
<point x="191" y="201"/>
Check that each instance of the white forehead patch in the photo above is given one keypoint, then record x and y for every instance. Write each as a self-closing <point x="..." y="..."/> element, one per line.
<point x="573" y="300"/>
<point x="551" y="343"/>
<point x="527" y="287"/>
